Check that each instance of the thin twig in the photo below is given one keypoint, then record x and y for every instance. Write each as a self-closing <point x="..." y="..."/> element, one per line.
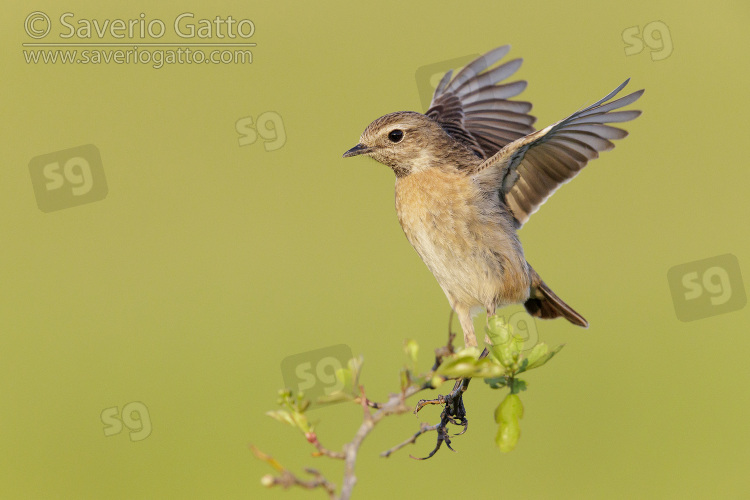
<point x="286" y="479"/>
<point x="371" y="404"/>
<point x="322" y="450"/>
<point x="424" y="428"/>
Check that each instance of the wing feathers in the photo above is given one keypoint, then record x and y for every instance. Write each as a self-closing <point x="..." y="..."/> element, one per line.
<point x="490" y="77"/>
<point x="474" y="107"/>
<point x="518" y="107"/>
<point x="533" y="167"/>
<point x="477" y="66"/>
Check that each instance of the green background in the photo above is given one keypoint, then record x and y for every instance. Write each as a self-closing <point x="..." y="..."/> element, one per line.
<point x="209" y="262"/>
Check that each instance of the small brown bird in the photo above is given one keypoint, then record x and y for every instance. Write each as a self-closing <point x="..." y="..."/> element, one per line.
<point x="471" y="171"/>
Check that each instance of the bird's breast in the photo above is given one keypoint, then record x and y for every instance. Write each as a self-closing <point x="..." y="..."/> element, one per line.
<point x="435" y="211"/>
<point x="461" y="236"/>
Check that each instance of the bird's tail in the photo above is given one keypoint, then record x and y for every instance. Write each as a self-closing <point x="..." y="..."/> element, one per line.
<point x="544" y="303"/>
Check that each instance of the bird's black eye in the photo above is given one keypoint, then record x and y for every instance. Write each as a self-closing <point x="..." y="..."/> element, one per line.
<point x="395" y="135"/>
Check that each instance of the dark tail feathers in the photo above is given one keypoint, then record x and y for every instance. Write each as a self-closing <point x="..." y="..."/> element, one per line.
<point x="543" y="303"/>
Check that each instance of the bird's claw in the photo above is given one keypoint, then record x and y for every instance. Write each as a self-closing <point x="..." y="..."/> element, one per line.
<point x="454" y="413"/>
<point x="424" y="402"/>
<point x="443" y="437"/>
<point x="463" y="422"/>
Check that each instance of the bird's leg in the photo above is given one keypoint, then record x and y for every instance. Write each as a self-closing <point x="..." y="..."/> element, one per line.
<point x="454" y="411"/>
<point x="490" y="312"/>
<point x="454" y="405"/>
<point x="467" y="325"/>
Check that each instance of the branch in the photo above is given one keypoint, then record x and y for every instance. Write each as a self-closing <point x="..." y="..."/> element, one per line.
<point x="499" y="371"/>
<point x="322" y="451"/>
<point x="287" y="479"/>
<point x="396" y="404"/>
<point x="412" y="440"/>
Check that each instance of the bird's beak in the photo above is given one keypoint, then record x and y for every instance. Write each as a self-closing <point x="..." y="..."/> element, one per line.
<point x="359" y="149"/>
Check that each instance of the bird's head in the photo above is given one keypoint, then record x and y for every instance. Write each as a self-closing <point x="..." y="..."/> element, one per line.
<point x="406" y="141"/>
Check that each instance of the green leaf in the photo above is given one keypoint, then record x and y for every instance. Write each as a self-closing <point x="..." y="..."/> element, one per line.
<point x="543" y="354"/>
<point x="282" y="416"/>
<point x="517" y="385"/>
<point x="300" y="421"/>
<point x="516" y="344"/>
<point x="488" y="368"/>
<point x="507" y="436"/>
<point x="462" y="364"/>
<point x="411" y="348"/>
<point x="470" y="352"/>
<point x="522" y="365"/>
<point x="405" y="378"/>
<point x="458" y="369"/>
<point x="345" y="376"/>
<point x="506" y="347"/>
<point x="496" y="382"/>
<point x="508" y="355"/>
<point x="502" y="354"/>
<point x="465" y="363"/>
<point x="508" y="414"/>
<point x="510" y="408"/>
<point x="537" y="352"/>
<point x="498" y="330"/>
<point x="349" y="378"/>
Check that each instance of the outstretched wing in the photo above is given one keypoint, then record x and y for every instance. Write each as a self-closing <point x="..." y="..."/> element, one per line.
<point x="534" y="167"/>
<point x="475" y="110"/>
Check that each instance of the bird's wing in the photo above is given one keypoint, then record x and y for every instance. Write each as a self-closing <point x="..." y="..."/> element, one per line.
<point x="532" y="168"/>
<point x="475" y="110"/>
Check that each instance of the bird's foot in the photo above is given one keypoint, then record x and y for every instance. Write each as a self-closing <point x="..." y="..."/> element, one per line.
<point x="454" y="413"/>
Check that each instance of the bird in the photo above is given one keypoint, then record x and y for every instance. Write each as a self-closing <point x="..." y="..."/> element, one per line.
<point x="470" y="172"/>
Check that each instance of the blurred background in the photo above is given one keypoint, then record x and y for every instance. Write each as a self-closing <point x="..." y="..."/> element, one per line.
<point x="174" y="231"/>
